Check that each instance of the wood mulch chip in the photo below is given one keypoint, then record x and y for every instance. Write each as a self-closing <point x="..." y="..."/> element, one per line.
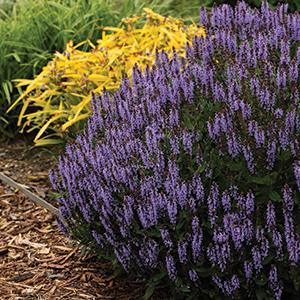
<point x="36" y="260"/>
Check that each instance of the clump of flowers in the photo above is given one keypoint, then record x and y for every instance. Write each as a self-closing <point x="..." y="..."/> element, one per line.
<point x="193" y="170"/>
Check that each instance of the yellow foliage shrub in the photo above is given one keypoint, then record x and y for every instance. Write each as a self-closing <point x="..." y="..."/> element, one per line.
<point x="59" y="96"/>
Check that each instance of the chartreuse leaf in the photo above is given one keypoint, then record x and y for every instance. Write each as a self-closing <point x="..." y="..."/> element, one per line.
<point x="45" y="126"/>
<point x="47" y="142"/>
<point x="74" y="120"/>
<point x="4" y="120"/>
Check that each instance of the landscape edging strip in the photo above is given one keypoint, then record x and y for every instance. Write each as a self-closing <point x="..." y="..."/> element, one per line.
<point x="36" y="199"/>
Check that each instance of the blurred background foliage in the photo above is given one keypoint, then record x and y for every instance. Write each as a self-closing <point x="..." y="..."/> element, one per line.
<point x="32" y="30"/>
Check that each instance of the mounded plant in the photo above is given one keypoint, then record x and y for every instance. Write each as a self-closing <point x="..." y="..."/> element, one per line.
<point x="191" y="174"/>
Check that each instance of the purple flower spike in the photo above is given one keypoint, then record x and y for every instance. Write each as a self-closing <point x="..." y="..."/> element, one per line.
<point x="248" y="269"/>
<point x="166" y="238"/>
<point x="182" y="251"/>
<point x="297" y="173"/>
<point x="274" y="283"/>
<point x="271" y="218"/>
<point x="171" y="268"/>
<point x="193" y="276"/>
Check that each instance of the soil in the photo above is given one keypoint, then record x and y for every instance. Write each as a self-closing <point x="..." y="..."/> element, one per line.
<point x="36" y="260"/>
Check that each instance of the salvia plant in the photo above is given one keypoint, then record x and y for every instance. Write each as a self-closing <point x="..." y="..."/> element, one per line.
<point x="191" y="174"/>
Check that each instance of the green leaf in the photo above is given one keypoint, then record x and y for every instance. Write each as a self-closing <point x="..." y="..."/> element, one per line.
<point x="203" y="272"/>
<point x="261" y="294"/>
<point x="7" y="90"/>
<point x="185" y="289"/>
<point x="266" y="180"/>
<point x="235" y="166"/>
<point x="201" y="168"/>
<point x="158" y="277"/>
<point x="275" y="196"/>
<point x="149" y="292"/>
<point x="15" y="56"/>
<point x="261" y="281"/>
<point x="4" y="120"/>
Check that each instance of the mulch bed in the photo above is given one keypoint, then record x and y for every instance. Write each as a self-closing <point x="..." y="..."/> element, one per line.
<point x="36" y="260"/>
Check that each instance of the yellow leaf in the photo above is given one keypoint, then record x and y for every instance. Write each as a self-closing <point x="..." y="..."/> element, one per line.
<point x="97" y="77"/>
<point x="80" y="44"/>
<point x="22" y="82"/>
<point x="47" y="141"/>
<point x="74" y="120"/>
<point x="114" y="29"/>
<point x="45" y="126"/>
<point x="24" y="107"/>
<point x="77" y="95"/>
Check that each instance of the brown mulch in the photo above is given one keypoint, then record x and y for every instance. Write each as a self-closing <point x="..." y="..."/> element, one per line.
<point x="36" y="260"/>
